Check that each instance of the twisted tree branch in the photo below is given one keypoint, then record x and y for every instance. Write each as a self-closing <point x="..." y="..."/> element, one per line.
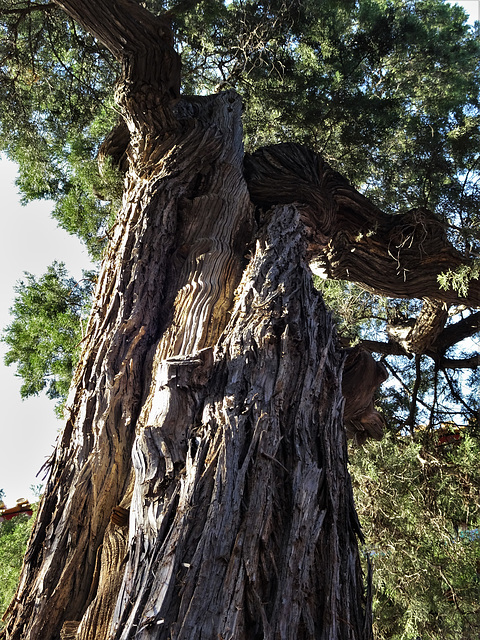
<point x="395" y="255"/>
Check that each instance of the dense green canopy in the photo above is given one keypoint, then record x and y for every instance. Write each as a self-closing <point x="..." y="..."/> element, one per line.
<point x="388" y="92"/>
<point x="415" y="499"/>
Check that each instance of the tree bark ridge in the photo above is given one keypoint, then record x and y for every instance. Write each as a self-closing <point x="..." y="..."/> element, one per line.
<point x="135" y="303"/>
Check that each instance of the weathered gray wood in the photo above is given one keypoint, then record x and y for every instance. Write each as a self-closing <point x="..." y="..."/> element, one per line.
<point x="241" y="498"/>
<point x="255" y="535"/>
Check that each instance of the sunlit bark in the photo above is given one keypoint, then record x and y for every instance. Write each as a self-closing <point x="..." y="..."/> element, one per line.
<point x="225" y="442"/>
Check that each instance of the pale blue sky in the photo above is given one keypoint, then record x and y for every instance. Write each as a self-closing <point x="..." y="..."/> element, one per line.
<point x="472" y="7"/>
<point x="30" y="241"/>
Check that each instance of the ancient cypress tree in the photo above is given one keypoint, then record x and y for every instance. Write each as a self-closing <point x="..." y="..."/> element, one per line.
<point x="200" y="486"/>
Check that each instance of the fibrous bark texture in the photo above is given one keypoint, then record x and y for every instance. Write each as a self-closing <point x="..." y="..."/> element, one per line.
<point x="254" y="535"/>
<point x="159" y="272"/>
<point x="214" y="422"/>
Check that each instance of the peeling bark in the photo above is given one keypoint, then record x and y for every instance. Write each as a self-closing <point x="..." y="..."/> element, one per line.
<point x="260" y="514"/>
<point x="215" y="421"/>
<point x="224" y="441"/>
<point x="156" y="260"/>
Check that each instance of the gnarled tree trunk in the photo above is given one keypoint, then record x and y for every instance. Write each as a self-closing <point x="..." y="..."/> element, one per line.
<point x="200" y="487"/>
<point x="214" y="422"/>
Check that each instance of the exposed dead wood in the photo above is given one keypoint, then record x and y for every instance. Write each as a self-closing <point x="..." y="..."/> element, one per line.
<point x="120" y="516"/>
<point x="97" y="618"/>
<point x="69" y="631"/>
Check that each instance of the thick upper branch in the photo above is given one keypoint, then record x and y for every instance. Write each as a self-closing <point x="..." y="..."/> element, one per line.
<point x="123" y="26"/>
<point x="27" y="9"/>
<point x="398" y="256"/>
<point x="143" y="43"/>
<point x="395" y="349"/>
<point x="437" y="344"/>
<point x="462" y="329"/>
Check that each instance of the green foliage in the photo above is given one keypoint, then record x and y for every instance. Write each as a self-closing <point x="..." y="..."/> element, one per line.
<point x="55" y="107"/>
<point x="44" y="338"/>
<point x="418" y="506"/>
<point x="358" y="314"/>
<point x="14" y="535"/>
<point x="459" y="279"/>
<point x="387" y="90"/>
